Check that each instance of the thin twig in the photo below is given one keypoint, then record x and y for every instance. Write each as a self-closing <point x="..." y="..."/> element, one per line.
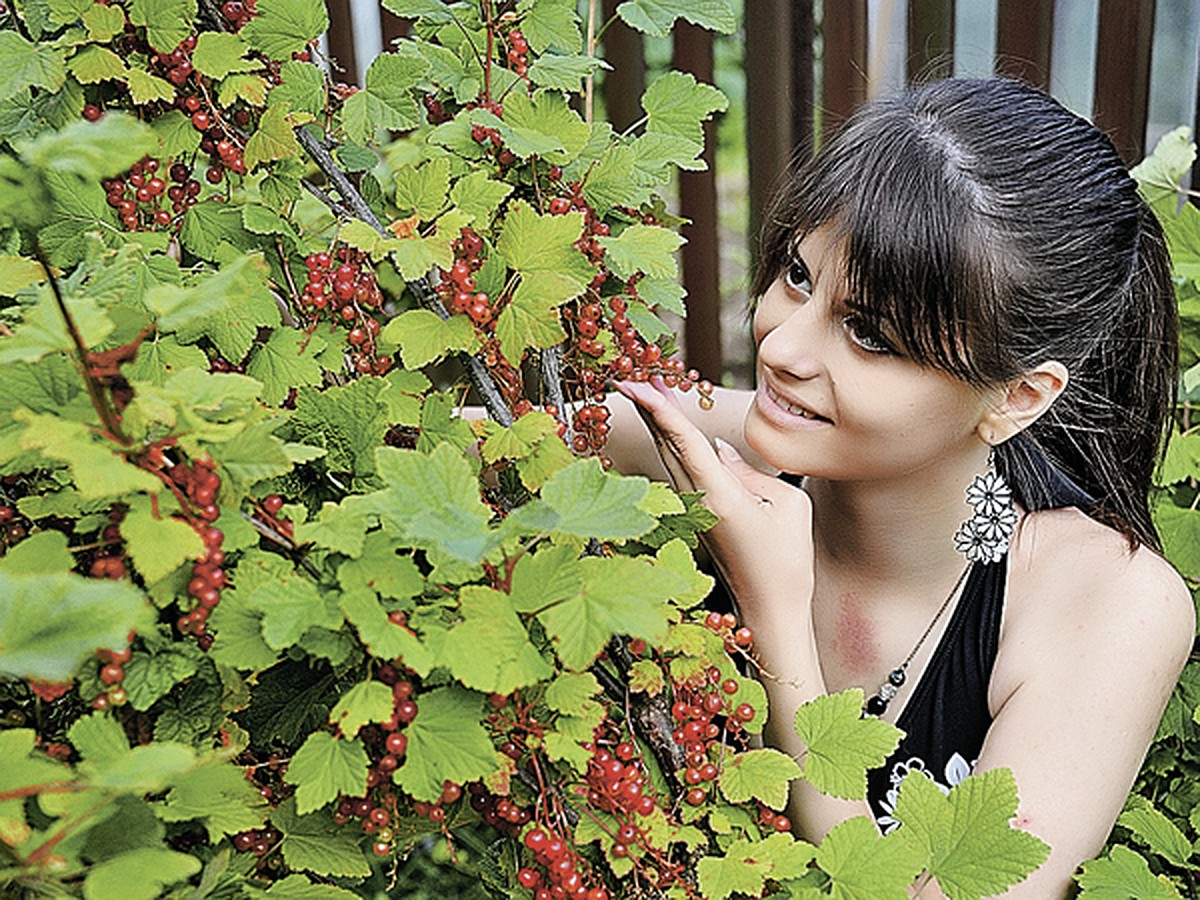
<point x="483" y="382"/>
<point x="293" y="550"/>
<point x="100" y="401"/>
<point x="335" y="206"/>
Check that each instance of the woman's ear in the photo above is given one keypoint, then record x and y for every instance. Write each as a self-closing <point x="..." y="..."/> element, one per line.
<point x="1022" y="401"/>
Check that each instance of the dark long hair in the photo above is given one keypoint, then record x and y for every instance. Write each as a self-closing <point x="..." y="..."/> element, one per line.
<point x="990" y="229"/>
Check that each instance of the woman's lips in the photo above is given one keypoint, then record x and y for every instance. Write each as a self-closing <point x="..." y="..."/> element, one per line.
<point x="779" y="408"/>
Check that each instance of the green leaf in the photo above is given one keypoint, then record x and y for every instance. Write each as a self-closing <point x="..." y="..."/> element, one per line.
<point x="316" y="844"/>
<point x="146" y="769"/>
<point x="536" y="243"/>
<point x="842" y="744"/>
<point x="446" y="741"/>
<point x="140" y="874"/>
<point x="150" y="676"/>
<point x="552" y="23"/>
<point x="349" y="422"/>
<point x="564" y="73"/>
<point x="383" y="638"/>
<point x="519" y="439"/>
<point x="251" y="88"/>
<point x="364" y="114"/>
<point x="1160" y="172"/>
<point x="747" y="865"/>
<point x="620" y="595"/>
<point x="423" y="190"/>
<point x="99" y="738"/>
<point x="544" y="578"/>
<point x="676" y="104"/>
<point x="368" y="701"/>
<point x="762" y="774"/>
<point x="656" y="17"/>
<point x="324" y="767"/>
<point x="571" y="693"/>
<point x="219" y="795"/>
<point x="44" y="332"/>
<point x="489" y="620"/>
<point x="94" y="150"/>
<point x="1123" y="875"/>
<point x="273" y="138"/>
<point x="379" y="568"/>
<point x="286" y="360"/>
<point x="146" y="88"/>
<point x="424" y="338"/>
<point x="649" y="249"/>
<point x="158" y="544"/>
<point x="297" y="887"/>
<point x="478" y="195"/>
<point x="1156" y="831"/>
<point x="176" y="134"/>
<point x="586" y="501"/>
<point x="91" y="65"/>
<point x="228" y="308"/>
<point x="26" y="64"/>
<point x="302" y="87"/>
<point x="290" y="605"/>
<point x="531" y="319"/>
<point x="218" y="53"/>
<point x="18" y="272"/>
<point x="167" y="22"/>
<point x="238" y="640"/>
<point x="547" y="115"/>
<point x="42" y="553"/>
<point x="435" y="501"/>
<point x="1180" y="530"/>
<point x="969" y="844"/>
<point x="392" y="77"/>
<point x="103" y="23"/>
<point x="284" y="27"/>
<point x="864" y="865"/>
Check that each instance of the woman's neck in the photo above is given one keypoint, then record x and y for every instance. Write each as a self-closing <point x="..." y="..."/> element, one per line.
<point x="899" y="531"/>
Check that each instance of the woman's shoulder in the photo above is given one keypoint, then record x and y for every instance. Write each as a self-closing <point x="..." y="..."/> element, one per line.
<point x="1069" y="575"/>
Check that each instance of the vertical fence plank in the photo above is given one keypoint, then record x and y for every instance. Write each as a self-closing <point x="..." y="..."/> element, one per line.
<point x="772" y="104"/>
<point x="1024" y="33"/>
<point x="803" y="80"/>
<point x="392" y="26"/>
<point x="1123" y="73"/>
<point x="341" y="42"/>
<point x="930" y="39"/>
<point x="844" y="61"/>
<point x="625" y="82"/>
<point x="693" y="52"/>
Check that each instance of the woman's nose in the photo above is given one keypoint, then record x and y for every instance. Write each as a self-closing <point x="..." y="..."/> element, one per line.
<point x="793" y="343"/>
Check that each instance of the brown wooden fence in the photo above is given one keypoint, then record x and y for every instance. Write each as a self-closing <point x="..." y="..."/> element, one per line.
<point x="788" y="112"/>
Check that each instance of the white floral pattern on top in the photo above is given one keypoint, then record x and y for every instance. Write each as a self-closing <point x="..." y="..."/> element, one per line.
<point x="957" y="768"/>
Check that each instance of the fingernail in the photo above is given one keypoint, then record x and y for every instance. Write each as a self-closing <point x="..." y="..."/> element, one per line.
<point x="724" y="448"/>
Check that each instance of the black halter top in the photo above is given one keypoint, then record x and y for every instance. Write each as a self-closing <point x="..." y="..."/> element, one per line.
<point x="946" y="717"/>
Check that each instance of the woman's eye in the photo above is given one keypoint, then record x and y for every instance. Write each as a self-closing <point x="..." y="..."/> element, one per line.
<point x="797" y="277"/>
<point x="867" y="336"/>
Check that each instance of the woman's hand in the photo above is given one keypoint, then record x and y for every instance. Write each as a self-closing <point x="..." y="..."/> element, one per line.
<point x="763" y="541"/>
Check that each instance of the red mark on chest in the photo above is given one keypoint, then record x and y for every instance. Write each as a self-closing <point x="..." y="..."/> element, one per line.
<point x="854" y="638"/>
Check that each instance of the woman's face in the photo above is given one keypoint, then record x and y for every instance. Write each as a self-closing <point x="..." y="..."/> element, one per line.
<point x="835" y="398"/>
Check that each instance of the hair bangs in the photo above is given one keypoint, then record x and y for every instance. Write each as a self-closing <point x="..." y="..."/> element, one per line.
<point x="920" y="264"/>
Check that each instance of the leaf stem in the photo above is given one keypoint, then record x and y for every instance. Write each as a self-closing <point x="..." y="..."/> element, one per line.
<point x="589" y="84"/>
<point x="100" y="400"/>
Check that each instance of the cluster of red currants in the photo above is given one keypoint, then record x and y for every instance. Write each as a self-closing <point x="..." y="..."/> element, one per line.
<point x="238" y="12"/>
<point x="435" y="112"/>
<point x="342" y="289"/>
<point x="616" y="784"/>
<point x="138" y="197"/>
<point x="176" y="66"/>
<point x="268" y="511"/>
<point x="15" y="526"/>
<point x="260" y="842"/>
<point x="199" y="484"/>
<point x="112" y="674"/>
<point x="109" y="559"/>
<point x="491" y="137"/>
<point x="500" y="812"/>
<point x="559" y="877"/>
<point x="457" y="284"/>
<point x="518" y="50"/>
<point x="219" y="141"/>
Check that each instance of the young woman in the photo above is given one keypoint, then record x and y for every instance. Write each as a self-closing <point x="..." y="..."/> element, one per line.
<point x="964" y="286"/>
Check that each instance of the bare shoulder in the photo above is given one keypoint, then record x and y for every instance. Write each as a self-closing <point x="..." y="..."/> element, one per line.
<point x="1075" y="581"/>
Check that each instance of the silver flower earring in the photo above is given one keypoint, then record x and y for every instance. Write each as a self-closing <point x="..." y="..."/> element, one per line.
<point x="985" y="536"/>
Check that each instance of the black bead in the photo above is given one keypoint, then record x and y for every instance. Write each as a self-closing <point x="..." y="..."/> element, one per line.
<point x="876" y="706"/>
<point x="896" y="677"/>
